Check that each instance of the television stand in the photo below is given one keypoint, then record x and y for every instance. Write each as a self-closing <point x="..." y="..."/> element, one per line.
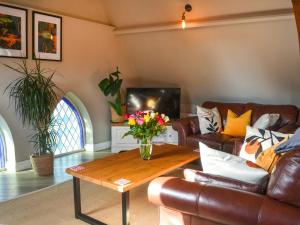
<point x="128" y="143"/>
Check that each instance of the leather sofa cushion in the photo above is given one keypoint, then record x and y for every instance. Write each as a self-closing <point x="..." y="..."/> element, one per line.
<point x="229" y="146"/>
<point x="205" y="178"/>
<point x="217" y="141"/>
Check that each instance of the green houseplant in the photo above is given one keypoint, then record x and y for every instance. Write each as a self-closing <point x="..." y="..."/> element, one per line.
<point x="34" y="96"/>
<point x="111" y="86"/>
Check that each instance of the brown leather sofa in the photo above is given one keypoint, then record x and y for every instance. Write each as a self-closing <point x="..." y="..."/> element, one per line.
<point x="189" y="132"/>
<point x="213" y="200"/>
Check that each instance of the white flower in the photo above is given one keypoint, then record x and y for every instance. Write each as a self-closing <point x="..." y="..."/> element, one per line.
<point x="163" y="115"/>
<point x="152" y="115"/>
<point x="167" y="119"/>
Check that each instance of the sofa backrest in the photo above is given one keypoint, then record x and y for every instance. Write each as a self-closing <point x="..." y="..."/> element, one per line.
<point x="288" y="113"/>
<point x="284" y="184"/>
<point x="223" y="108"/>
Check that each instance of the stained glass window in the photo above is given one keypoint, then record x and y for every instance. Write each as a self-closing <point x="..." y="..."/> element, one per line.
<point x="2" y="153"/>
<point x="69" y="128"/>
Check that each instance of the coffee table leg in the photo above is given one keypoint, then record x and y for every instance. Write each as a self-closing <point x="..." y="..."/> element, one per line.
<point x="77" y="205"/>
<point x="77" y="198"/>
<point x="125" y="208"/>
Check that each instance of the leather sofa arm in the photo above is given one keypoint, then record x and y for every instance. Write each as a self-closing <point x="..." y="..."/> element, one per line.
<point x="289" y="128"/>
<point x="205" y="178"/>
<point x="215" y="203"/>
<point x="184" y="129"/>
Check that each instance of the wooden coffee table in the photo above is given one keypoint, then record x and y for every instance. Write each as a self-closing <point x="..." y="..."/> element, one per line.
<point x="128" y="166"/>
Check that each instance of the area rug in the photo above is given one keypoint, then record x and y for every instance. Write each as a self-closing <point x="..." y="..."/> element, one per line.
<point x="54" y="206"/>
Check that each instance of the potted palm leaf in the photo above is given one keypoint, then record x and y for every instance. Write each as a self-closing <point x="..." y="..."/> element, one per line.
<point x="111" y="86"/>
<point x="34" y="95"/>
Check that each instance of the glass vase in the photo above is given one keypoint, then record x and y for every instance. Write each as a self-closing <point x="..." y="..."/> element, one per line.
<point x="146" y="148"/>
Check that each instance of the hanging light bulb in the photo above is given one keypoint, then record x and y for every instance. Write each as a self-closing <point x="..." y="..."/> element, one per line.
<point x="187" y="8"/>
<point x="183" y="24"/>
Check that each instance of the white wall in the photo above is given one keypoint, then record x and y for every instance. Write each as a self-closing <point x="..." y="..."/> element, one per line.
<point x="90" y="51"/>
<point x="248" y="62"/>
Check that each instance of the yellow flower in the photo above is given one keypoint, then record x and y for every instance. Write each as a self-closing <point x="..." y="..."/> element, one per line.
<point x="131" y="121"/>
<point x="147" y="118"/>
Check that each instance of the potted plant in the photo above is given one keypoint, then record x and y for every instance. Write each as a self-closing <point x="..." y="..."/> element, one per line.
<point x="34" y="96"/>
<point x="144" y="126"/>
<point x="111" y="86"/>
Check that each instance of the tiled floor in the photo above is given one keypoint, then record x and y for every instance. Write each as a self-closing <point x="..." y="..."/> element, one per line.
<point x="15" y="184"/>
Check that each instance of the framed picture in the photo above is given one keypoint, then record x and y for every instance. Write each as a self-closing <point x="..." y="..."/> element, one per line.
<point x="46" y="36"/>
<point x="13" y="31"/>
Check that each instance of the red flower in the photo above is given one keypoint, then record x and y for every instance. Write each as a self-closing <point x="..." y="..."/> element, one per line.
<point x="126" y="116"/>
<point x="138" y="113"/>
<point x="161" y="121"/>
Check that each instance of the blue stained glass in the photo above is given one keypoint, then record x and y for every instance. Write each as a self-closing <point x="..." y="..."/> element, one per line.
<point x="69" y="128"/>
<point x="2" y="153"/>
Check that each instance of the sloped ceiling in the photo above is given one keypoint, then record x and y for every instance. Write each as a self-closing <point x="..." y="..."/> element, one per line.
<point x="91" y="10"/>
<point x="127" y="13"/>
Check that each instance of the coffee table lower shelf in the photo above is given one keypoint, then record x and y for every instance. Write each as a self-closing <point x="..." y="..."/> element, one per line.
<point x="90" y="220"/>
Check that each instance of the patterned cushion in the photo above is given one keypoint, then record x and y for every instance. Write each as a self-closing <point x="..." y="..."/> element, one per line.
<point x="227" y="165"/>
<point x="268" y="158"/>
<point x="259" y="140"/>
<point x="209" y="120"/>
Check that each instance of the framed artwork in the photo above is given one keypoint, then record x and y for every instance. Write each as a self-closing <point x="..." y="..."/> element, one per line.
<point x="13" y="31"/>
<point x="46" y="36"/>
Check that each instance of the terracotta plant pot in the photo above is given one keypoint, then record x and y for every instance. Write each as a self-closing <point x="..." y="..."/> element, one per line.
<point x="115" y="118"/>
<point x="42" y="164"/>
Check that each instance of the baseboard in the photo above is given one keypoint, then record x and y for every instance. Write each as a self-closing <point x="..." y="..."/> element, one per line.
<point x="23" y="165"/>
<point x="102" y="146"/>
<point x="26" y="164"/>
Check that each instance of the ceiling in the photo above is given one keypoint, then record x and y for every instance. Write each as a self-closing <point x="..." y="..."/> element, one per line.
<point x="92" y="11"/>
<point x="128" y="13"/>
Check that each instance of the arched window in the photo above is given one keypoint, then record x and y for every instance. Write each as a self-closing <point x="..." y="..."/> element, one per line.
<point x="2" y="153"/>
<point x="69" y="128"/>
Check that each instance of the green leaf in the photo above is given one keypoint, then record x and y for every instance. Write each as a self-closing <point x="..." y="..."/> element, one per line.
<point x="117" y="107"/>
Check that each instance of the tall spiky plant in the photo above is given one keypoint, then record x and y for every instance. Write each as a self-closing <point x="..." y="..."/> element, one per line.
<point x="34" y="96"/>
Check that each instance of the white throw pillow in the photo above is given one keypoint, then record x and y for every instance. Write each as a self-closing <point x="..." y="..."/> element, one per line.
<point x="209" y="120"/>
<point x="266" y="121"/>
<point x="227" y="165"/>
<point x="259" y="140"/>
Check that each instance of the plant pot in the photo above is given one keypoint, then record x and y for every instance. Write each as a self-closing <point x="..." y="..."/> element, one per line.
<point x="42" y="164"/>
<point x="115" y="118"/>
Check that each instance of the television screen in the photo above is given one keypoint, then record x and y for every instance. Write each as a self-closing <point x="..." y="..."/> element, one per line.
<point x="162" y="100"/>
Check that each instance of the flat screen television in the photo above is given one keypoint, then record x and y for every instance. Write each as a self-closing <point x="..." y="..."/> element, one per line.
<point x="162" y="100"/>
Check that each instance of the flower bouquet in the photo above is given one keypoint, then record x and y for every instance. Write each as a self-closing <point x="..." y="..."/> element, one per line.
<point x="144" y="126"/>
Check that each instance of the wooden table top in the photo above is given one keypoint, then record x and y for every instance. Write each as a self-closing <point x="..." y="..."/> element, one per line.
<point x="129" y="165"/>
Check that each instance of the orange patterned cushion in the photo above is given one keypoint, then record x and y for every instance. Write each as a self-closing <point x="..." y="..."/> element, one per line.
<point x="268" y="158"/>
